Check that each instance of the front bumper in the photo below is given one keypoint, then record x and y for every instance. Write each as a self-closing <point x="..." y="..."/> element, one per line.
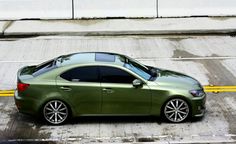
<point x="199" y="106"/>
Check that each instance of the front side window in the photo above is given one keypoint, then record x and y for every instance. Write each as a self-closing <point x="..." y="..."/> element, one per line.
<point x="115" y="75"/>
<point x="138" y="69"/>
<point x="81" y="74"/>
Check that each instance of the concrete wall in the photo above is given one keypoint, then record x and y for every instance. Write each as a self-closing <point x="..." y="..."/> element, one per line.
<point x="115" y="8"/>
<point x="69" y="9"/>
<point x="179" y="8"/>
<point x="44" y="9"/>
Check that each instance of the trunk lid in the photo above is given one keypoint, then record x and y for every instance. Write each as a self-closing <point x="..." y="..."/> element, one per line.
<point x="25" y="73"/>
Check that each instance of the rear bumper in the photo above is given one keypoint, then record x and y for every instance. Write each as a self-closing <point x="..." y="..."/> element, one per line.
<point x="25" y="105"/>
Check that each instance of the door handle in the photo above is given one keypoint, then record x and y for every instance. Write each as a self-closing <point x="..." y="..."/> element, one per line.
<point x="107" y="90"/>
<point x="65" y="88"/>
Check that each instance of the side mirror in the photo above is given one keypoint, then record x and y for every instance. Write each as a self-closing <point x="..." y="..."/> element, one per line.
<point x="137" y="83"/>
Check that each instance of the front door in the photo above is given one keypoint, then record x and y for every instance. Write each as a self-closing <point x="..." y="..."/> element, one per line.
<point x="119" y="96"/>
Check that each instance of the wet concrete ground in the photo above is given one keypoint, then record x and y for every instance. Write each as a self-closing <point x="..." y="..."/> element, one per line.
<point x="210" y="59"/>
<point x="218" y="125"/>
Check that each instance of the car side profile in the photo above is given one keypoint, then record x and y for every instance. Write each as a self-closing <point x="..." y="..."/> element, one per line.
<point x="100" y="83"/>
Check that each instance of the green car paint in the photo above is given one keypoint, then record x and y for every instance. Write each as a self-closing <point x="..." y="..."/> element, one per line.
<point x="150" y="97"/>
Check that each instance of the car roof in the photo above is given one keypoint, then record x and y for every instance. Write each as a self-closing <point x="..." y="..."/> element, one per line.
<point x="92" y="58"/>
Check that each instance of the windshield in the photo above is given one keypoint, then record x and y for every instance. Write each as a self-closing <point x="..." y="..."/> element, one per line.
<point x="137" y="68"/>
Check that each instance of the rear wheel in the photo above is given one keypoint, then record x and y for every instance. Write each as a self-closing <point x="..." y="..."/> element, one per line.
<point x="176" y="110"/>
<point x="55" y="112"/>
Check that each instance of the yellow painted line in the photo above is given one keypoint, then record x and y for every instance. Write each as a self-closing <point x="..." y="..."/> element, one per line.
<point x="219" y="87"/>
<point x="216" y="90"/>
<point x="6" y="95"/>
<point x="6" y="91"/>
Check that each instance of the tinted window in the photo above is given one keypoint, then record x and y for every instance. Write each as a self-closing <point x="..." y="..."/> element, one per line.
<point x="115" y="75"/>
<point x="44" y="67"/>
<point x="104" y="57"/>
<point x="138" y="69"/>
<point x="81" y="74"/>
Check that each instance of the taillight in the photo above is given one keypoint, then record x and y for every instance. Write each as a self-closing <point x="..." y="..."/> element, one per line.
<point x="22" y="87"/>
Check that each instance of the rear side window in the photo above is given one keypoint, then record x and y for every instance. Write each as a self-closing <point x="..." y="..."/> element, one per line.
<point x="81" y="74"/>
<point x="115" y="75"/>
<point x="44" y="67"/>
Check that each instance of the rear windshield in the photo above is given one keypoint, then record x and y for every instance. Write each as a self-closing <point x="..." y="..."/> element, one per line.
<point x="44" y="67"/>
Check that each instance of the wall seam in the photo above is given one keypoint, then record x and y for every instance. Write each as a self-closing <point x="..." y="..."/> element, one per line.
<point x="73" y="9"/>
<point x="157" y="5"/>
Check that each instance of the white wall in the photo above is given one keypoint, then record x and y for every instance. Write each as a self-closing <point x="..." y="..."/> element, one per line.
<point x="62" y="9"/>
<point x="176" y="8"/>
<point x="115" y="8"/>
<point x="44" y="9"/>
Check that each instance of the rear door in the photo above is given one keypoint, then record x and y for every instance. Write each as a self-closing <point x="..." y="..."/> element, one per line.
<point x="82" y="87"/>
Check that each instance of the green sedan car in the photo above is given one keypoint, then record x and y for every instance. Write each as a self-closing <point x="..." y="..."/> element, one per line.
<point x="99" y="83"/>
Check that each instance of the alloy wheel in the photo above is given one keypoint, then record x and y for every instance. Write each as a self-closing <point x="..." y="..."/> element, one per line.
<point x="176" y="110"/>
<point x="55" y="112"/>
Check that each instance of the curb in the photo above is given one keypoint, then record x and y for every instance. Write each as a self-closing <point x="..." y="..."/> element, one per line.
<point x="113" y="27"/>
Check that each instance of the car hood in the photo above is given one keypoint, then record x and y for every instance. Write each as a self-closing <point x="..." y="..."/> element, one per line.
<point x="177" y="80"/>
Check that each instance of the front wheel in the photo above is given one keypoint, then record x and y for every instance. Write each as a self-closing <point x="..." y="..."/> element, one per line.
<point x="176" y="110"/>
<point x="55" y="112"/>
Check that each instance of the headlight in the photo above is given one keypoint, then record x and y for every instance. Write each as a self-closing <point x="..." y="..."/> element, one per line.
<point x="197" y="93"/>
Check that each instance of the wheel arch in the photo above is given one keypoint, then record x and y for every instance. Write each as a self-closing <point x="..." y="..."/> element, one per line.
<point x="71" y="111"/>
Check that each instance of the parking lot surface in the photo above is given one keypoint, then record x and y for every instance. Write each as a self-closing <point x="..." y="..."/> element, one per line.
<point x="210" y="59"/>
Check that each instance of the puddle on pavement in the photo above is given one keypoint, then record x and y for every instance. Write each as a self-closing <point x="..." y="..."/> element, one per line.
<point x="22" y="128"/>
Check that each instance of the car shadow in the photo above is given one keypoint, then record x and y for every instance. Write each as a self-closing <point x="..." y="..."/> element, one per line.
<point x="115" y="119"/>
<point x="108" y="120"/>
<point x="38" y="121"/>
